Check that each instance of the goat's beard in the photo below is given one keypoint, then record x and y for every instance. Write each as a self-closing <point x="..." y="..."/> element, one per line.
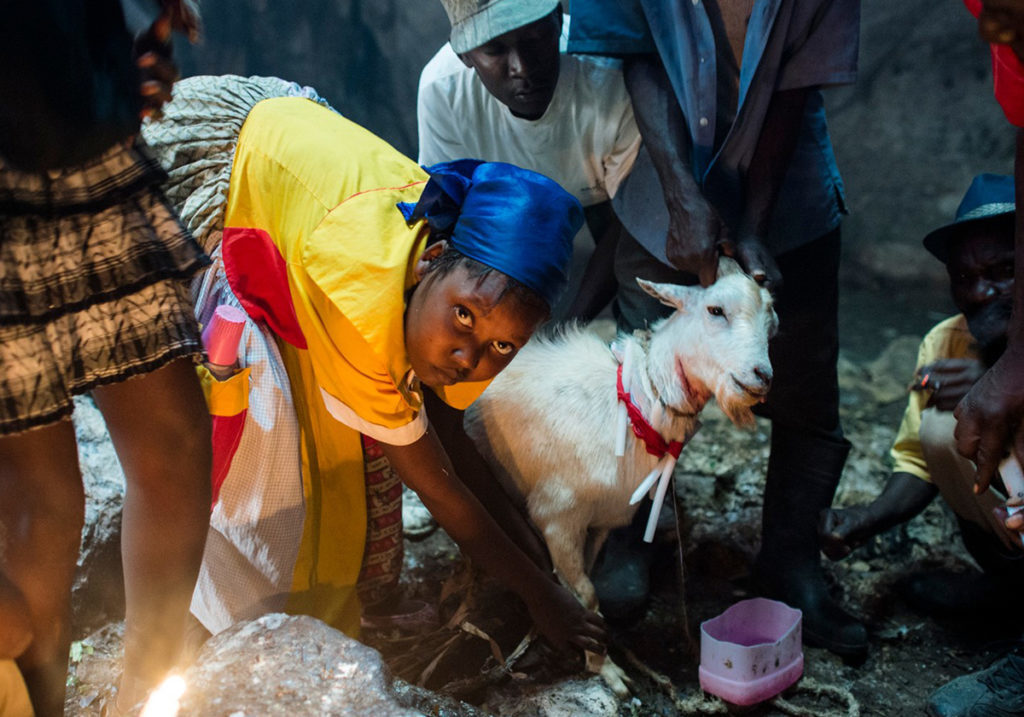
<point x="736" y="407"/>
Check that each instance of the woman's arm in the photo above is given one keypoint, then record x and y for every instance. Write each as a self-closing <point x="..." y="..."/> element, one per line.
<point x="476" y="474"/>
<point x="425" y="467"/>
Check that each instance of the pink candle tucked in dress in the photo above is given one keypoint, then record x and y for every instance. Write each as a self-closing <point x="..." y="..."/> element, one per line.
<point x="222" y="334"/>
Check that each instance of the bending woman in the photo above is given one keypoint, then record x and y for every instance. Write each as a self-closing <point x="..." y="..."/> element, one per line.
<point x="362" y="283"/>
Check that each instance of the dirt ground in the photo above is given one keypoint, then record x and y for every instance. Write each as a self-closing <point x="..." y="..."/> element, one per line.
<point x="719" y="485"/>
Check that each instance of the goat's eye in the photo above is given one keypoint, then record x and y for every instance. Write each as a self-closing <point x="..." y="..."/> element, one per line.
<point x="463" y="317"/>
<point x="503" y="347"/>
<point x="716" y="311"/>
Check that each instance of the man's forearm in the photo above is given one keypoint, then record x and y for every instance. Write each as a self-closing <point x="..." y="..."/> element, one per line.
<point x="694" y="229"/>
<point x="662" y="125"/>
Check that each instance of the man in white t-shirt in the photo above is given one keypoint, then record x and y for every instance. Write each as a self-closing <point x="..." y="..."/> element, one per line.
<point x="504" y="90"/>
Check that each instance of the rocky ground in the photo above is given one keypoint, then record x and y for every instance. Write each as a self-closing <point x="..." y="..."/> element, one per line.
<point x="719" y="486"/>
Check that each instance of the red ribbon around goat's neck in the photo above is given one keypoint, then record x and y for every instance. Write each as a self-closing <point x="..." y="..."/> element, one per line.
<point x="653" y="442"/>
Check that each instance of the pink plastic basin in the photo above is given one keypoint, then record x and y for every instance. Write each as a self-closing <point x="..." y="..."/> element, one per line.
<point x="751" y="652"/>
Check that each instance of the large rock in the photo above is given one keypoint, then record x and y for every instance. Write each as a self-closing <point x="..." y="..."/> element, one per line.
<point x="289" y="665"/>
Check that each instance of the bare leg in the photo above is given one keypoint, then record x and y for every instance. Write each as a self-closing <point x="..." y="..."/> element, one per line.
<point x="42" y="506"/>
<point x="161" y="430"/>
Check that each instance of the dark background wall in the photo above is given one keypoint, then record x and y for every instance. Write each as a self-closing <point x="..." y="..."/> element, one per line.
<point x="909" y="135"/>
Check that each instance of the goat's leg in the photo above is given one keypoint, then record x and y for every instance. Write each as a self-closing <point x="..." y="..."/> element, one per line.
<point x="594" y="545"/>
<point x="566" y="543"/>
<point x="566" y="540"/>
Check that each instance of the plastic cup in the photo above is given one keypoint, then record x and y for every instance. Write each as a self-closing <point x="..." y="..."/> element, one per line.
<point x="752" y="651"/>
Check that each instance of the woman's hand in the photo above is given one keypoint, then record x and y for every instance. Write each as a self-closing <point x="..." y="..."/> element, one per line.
<point x="565" y="623"/>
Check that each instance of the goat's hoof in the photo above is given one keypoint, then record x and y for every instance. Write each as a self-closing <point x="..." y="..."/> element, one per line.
<point x="613" y="675"/>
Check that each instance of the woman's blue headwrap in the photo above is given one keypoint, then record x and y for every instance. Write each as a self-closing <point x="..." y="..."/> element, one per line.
<point x="511" y="219"/>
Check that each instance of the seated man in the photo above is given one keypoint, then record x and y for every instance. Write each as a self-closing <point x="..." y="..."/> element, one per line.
<point x="503" y="89"/>
<point x="978" y="250"/>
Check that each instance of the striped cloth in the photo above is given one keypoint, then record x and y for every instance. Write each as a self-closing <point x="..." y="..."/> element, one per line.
<point x="92" y="263"/>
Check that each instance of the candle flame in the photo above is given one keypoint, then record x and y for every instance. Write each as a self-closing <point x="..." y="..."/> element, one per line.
<point x="164" y="700"/>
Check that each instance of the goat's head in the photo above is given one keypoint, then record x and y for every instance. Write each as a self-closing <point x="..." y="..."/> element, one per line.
<point x="716" y="343"/>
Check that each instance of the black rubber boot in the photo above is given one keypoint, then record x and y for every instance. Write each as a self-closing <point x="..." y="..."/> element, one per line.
<point x="622" y="572"/>
<point x="803" y="472"/>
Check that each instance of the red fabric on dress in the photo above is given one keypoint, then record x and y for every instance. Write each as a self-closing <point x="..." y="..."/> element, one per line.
<point x="226" y="434"/>
<point x="258" y="276"/>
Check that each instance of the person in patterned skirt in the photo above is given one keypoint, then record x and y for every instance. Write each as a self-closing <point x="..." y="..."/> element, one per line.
<point x="92" y="293"/>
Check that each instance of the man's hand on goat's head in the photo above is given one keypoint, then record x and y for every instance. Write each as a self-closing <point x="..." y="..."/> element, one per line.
<point x="756" y="260"/>
<point x="695" y="232"/>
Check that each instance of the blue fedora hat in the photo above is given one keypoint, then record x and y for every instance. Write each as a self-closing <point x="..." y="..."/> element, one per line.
<point x="990" y="195"/>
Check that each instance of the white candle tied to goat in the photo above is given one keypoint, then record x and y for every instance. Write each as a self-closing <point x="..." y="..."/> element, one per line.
<point x="646" y="483"/>
<point x="669" y="462"/>
<point x="622" y="422"/>
<point x="1013" y="479"/>
<point x="163" y="702"/>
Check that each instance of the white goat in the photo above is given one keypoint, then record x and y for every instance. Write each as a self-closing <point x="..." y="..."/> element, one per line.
<point x="547" y="422"/>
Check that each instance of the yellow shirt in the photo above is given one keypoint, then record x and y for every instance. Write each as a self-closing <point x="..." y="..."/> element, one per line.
<point x="947" y="339"/>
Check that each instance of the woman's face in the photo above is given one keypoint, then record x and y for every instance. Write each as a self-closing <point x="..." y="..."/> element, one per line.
<point x="457" y="329"/>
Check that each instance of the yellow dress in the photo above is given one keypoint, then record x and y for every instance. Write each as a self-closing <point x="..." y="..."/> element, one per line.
<point x="315" y="249"/>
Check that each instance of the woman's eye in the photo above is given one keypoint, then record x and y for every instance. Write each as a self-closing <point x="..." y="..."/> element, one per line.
<point x="503" y="347"/>
<point x="463" y="316"/>
<point x="716" y="311"/>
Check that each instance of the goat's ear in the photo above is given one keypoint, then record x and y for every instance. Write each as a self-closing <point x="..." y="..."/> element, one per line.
<point x="669" y="294"/>
<point x="728" y="265"/>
